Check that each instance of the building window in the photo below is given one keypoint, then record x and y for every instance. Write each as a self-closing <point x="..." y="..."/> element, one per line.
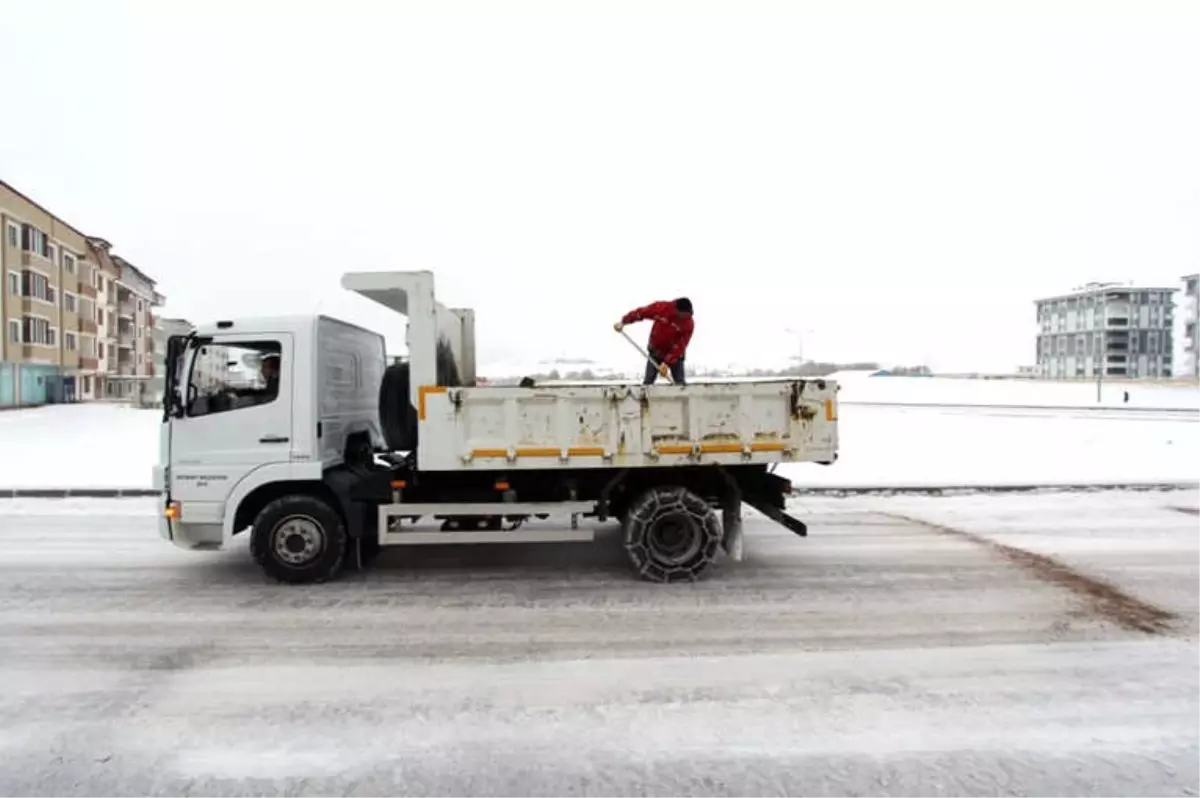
<point x="34" y="240"/>
<point x="37" y="285"/>
<point x="14" y="235"/>
<point x="69" y="302"/>
<point x="14" y="331"/>
<point x="139" y="306"/>
<point x="52" y="253"/>
<point x="70" y="342"/>
<point x="69" y="262"/>
<point x="37" y="330"/>
<point x="14" y="283"/>
<point x="99" y="349"/>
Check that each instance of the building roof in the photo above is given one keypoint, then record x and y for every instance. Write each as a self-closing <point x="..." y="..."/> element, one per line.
<point x="45" y="210"/>
<point x="1104" y="288"/>
<point x="94" y="241"/>
<point x="124" y="264"/>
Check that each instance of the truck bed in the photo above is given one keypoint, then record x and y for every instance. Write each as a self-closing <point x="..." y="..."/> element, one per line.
<point x="623" y="426"/>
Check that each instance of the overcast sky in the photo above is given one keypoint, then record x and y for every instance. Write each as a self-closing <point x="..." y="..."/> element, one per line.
<point x="899" y="185"/>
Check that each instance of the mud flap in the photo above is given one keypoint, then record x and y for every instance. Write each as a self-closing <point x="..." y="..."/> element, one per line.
<point x="777" y="515"/>
<point x="731" y="526"/>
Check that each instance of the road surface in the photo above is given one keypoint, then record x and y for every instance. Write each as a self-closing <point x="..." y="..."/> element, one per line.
<point x="972" y="645"/>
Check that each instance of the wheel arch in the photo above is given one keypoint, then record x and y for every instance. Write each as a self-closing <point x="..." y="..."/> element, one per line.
<point x="705" y="482"/>
<point x="258" y="498"/>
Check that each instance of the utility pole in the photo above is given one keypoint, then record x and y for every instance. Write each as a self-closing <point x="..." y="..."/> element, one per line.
<point x="799" y="346"/>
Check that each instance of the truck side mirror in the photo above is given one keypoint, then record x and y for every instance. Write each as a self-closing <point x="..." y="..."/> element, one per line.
<point x="176" y="346"/>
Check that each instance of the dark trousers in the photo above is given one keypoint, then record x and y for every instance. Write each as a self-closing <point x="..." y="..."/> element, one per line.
<point x="652" y="369"/>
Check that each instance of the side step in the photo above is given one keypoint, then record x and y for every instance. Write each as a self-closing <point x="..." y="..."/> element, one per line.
<point x="397" y="536"/>
<point x="486" y="536"/>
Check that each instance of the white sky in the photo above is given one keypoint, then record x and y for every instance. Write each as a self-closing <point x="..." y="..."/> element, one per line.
<point x="902" y="185"/>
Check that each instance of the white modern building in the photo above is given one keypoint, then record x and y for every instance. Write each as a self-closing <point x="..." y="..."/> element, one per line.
<point x="1106" y="329"/>
<point x="1189" y="365"/>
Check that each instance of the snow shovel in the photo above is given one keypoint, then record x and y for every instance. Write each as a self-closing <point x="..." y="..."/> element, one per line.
<point x="646" y="355"/>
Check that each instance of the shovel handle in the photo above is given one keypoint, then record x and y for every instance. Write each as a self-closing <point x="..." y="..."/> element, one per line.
<point x="646" y="355"/>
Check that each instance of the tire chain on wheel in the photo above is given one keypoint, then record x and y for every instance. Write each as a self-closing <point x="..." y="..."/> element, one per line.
<point x="663" y="501"/>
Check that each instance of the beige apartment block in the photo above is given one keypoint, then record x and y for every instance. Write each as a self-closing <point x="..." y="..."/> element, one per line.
<point x="77" y="320"/>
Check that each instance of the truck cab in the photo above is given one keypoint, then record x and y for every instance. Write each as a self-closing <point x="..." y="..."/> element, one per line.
<point x="260" y="403"/>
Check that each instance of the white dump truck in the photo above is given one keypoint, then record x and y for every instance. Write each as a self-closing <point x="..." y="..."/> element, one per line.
<point x="327" y="452"/>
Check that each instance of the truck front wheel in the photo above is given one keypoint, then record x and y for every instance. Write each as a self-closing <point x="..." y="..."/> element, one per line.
<point x="671" y="534"/>
<point x="299" y="539"/>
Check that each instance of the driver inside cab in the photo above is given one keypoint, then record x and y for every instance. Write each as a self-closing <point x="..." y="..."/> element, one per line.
<point x="268" y="370"/>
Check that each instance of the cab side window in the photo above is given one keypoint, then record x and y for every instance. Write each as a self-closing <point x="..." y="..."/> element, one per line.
<point x="228" y="376"/>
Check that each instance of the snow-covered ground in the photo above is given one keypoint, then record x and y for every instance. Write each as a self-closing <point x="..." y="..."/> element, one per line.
<point x="106" y="446"/>
<point x="884" y="654"/>
<point x="1019" y="393"/>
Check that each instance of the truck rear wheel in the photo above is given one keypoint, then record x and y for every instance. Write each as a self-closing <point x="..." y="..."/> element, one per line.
<point x="299" y="539"/>
<point x="671" y="535"/>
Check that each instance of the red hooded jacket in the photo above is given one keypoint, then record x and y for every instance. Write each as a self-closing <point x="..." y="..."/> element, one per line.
<point x="671" y="332"/>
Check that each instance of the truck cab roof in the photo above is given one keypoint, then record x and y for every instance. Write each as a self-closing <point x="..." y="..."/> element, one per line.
<point x="252" y="325"/>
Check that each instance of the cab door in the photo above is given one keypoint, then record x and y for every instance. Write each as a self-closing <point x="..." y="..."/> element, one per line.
<point x="233" y="419"/>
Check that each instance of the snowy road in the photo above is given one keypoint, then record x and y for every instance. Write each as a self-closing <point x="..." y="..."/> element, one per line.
<point x="908" y="646"/>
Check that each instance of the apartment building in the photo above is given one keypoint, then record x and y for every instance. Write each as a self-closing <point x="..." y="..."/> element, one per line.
<point x="1189" y="365"/>
<point x="77" y="320"/>
<point x="1106" y="329"/>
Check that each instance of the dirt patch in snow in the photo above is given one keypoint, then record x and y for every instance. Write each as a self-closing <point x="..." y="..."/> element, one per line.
<point x="1103" y="600"/>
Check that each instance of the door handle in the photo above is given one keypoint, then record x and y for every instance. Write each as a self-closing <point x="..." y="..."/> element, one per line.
<point x="273" y="439"/>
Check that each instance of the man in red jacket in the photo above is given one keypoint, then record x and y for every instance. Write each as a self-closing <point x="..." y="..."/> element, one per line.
<point x="669" y="337"/>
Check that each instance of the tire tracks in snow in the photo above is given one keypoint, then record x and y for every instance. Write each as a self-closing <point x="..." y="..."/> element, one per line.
<point x="1103" y="600"/>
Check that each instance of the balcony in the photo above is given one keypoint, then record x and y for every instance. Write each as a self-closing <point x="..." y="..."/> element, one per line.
<point x="35" y="259"/>
<point x="127" y="308"/>
<point x="89" y="363"/>
<point x="86" y="289"/>
<point x="125" y="340"/>
<point x="88" y="326"/>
